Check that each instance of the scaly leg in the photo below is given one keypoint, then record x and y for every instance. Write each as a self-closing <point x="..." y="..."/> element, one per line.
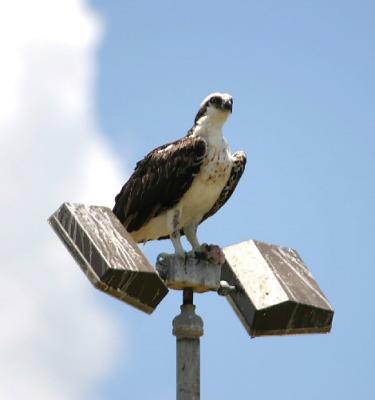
<point x="176" y="241"/>
<point x="200" y="251"/>
<point x="174" y="221"/>
<point x="211" y="253"/>
<point x="191" y="235"/>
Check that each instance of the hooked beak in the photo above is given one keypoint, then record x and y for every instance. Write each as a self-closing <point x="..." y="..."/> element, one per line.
<point x="228" y="104"/>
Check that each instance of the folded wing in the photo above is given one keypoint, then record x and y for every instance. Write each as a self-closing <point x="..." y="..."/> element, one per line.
<point x="238" y="168"/>
<point x="159" y="181"/>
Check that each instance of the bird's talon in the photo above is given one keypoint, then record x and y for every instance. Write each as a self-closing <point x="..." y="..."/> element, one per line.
<point x="200" y="255"/>
<point x="215" y="254"/>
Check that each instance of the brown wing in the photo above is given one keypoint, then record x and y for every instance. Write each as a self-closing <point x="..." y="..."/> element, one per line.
<point x="238" y="168"/>
<point x="159" y="181"/>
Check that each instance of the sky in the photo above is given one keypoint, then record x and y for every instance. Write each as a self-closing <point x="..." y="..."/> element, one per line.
<point x="88" y="88"/>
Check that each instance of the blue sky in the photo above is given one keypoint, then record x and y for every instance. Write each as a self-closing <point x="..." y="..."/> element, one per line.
<point x="302" y="77"/>
<point x="88" y="87"/>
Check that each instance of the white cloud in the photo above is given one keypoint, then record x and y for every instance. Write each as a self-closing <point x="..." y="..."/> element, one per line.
<point x="56" y="342"/>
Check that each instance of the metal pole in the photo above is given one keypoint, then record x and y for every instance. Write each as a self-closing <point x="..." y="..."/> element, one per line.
<point x="188" y="327"/>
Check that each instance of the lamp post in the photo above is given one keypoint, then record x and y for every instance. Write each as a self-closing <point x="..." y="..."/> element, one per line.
<point x="188" y="328"/>
<point x="269" y="287"/>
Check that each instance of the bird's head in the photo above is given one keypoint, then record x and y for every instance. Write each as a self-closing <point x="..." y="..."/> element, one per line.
<point x="215" y="108"/>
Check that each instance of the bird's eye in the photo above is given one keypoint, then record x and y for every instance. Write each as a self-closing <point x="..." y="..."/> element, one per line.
<point x="216" y="100"/>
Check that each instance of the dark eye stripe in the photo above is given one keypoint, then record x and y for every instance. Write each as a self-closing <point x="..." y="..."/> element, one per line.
<point x="216" y="100"/>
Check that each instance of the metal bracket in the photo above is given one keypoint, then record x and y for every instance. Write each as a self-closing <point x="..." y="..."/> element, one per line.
<point x="189" y="272"/>
<point x="225" y="288"/>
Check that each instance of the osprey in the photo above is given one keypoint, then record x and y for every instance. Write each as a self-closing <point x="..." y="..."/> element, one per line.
<point x="180" y="184"/>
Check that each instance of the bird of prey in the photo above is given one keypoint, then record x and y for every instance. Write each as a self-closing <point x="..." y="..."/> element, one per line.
<point x="180" y="184"/>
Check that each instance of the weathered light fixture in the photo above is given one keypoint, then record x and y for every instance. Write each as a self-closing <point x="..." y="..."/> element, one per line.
<point x="269" y="287"/>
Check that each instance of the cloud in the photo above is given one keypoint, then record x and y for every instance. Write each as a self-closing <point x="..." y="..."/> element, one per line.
<point x="56" y="342"/>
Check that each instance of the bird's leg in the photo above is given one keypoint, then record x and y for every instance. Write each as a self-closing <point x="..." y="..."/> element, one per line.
<point x="199" y="251"/>
<point x="176" y="241"/>
<point x="211" y="253"/>
<point x="191" y="235"/>
<point x="175" y="235"/>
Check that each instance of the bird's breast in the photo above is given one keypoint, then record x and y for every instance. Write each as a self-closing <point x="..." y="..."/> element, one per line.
<point x="206" y="186"/>
<point x="216" y="166"/>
